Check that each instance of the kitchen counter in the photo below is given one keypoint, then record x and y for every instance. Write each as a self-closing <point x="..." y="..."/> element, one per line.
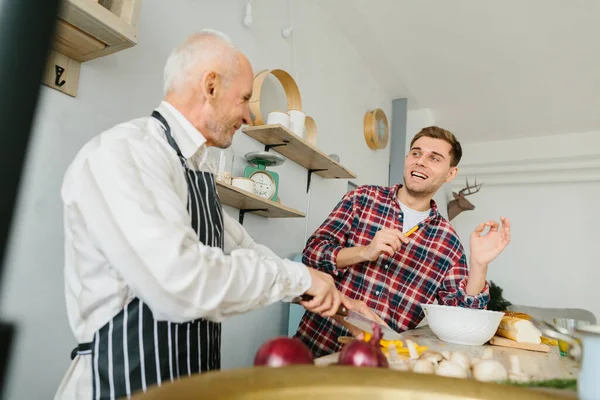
<point x="540" y="366"/>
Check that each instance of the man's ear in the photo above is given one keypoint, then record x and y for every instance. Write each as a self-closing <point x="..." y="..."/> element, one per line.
<point x="452" y="174"/>
<point x="210" y="84"/>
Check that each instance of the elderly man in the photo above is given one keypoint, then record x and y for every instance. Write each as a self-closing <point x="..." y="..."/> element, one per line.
<point x="153" y="264"/>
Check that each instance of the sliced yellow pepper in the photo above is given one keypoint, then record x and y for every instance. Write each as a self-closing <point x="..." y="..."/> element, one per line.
<point x="384" y="343"/>
<point x="405" y="351"/>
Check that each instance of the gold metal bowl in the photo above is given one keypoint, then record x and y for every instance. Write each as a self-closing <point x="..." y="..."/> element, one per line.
<point x="334" y="382"/>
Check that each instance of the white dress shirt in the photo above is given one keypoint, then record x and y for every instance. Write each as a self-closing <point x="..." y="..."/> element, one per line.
<point x="128" y="233"/>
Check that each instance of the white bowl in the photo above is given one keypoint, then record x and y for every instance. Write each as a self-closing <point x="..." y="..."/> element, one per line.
<point x="459" y="325"/>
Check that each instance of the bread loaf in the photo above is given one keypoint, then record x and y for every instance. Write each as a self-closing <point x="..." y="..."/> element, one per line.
<point x="519" y="329"/>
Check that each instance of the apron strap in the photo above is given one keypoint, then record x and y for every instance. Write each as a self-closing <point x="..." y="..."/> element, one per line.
<point x="167" y="128"/>
<point x="82" y="349"/>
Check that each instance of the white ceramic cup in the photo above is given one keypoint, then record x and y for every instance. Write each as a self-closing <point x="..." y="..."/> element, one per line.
<point x="279" y="117"/>
<point x="246" y="184"/>
<point x="297" y="119"/>
<point x="588" y="385"/>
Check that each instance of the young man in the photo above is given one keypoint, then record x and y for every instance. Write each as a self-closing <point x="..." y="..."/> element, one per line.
<point x="363" y="245"/>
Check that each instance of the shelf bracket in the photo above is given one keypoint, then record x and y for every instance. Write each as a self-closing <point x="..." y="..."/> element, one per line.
<point x="270" y="146"/>
<point x="310" y="172"/>
<point x="242" y="212"/>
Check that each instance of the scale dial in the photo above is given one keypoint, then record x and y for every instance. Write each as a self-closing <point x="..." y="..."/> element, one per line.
<point x="264" y="184"/>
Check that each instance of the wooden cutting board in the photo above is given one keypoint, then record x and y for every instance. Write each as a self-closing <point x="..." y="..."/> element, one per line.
<point x="504" y="342"/>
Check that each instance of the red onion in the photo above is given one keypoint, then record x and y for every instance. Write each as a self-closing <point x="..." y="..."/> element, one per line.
<point x="364" y="354"/>
<point x="281" y="351"/>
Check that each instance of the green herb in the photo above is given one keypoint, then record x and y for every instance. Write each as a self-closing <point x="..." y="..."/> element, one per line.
<point x="569" y="384"/>
<point x="497" y="302"/>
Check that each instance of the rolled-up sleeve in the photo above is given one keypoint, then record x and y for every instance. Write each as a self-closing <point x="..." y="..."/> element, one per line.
<point x="126" y="196"/>
<point x="454" y="288"/>
<point x="326" y="242"/>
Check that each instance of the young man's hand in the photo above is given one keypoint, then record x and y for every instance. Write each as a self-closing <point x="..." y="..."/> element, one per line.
<point x="386" y="241"/>
<point x="485" y="248"/>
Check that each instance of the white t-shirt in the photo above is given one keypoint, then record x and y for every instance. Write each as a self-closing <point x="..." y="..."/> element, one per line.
<point x="412" y="217"/>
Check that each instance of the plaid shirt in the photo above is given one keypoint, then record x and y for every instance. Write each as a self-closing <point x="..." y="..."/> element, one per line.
<point x="431" y="267"/>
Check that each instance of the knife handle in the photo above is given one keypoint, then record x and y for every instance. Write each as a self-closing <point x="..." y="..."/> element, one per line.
<point x="342" y="310"/>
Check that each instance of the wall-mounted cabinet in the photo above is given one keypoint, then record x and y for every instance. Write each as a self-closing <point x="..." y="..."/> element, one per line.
<point x="85" y="30"/>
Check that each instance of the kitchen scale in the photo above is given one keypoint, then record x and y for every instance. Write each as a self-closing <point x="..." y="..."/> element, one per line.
<point x="266" y="183"/>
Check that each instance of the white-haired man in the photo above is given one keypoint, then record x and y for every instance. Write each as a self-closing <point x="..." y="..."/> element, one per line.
<point x="153" y="264"/>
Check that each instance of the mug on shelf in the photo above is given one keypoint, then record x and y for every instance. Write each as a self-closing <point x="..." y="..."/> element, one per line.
<point x="279" y="117"/>
<point x="297" y="120"/>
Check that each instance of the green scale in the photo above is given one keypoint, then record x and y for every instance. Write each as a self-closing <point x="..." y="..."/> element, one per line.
<point x="266" y="183"/>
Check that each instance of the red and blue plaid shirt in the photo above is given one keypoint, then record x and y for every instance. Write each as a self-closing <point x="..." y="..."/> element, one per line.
<point x="431" y="267"/>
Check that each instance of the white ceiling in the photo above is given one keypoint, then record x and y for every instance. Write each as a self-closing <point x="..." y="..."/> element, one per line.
<point x="487" y="69"/>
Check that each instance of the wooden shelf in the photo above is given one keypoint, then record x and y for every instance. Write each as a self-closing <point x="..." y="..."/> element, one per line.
<point x="249" y="202"/>
<point x="298" y="150"/>
<point x="88" y="29"/>
<point x="85" y="30"/>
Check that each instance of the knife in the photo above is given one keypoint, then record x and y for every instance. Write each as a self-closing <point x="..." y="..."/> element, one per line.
<point x="358" y="320"/>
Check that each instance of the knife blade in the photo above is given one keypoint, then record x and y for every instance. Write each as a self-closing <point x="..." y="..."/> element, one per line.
<point x="358" y="320"/>
<point x="366" y="324"/>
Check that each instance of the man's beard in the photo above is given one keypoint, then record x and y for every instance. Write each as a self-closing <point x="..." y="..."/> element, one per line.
<point x="426" y="192"/>
<point x="221" y="138"/>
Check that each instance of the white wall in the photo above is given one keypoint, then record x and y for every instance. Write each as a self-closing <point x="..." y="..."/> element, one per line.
<point x="417" y="120"/>
<point x="549" y="187"/>
<point x="336" y="89"/>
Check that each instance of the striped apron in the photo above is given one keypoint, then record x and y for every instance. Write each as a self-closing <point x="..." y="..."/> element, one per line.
<point x="133" y="351"/>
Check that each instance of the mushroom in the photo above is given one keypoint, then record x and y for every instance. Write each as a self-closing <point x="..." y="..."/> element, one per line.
<point x="432" y="356"/>
<point x="393" y="353"/>
<point x="515" y="373"/>
<point x="487" y="355"/>
<point x="451" y="369"/>
<point x="489" y="371"/>
<point x="412" y="349"/>
<point x="400" y="365"/>
<point x="462" y="359"/>
<point x="423" y="367"/>
<point x="395" y="362"/>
